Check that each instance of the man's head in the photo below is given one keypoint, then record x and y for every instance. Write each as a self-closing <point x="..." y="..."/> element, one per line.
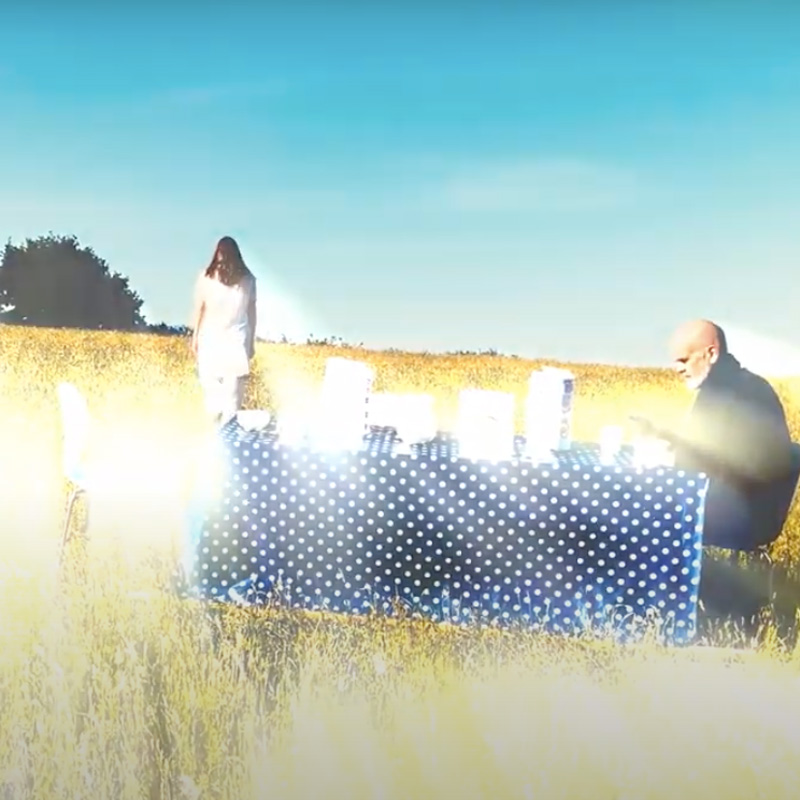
<point x="695" y="348"/>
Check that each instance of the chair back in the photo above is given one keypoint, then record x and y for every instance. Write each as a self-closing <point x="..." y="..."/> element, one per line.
<point x="75" y="423"/>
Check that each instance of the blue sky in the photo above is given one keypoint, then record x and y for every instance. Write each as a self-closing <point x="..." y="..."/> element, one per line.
<point x="543" y="181"/>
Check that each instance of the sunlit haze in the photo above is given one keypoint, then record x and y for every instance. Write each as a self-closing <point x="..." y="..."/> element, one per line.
<point x="549" y="180"/>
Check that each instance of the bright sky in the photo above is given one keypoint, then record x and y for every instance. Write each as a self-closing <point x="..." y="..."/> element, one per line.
<point x="568" y="183"/>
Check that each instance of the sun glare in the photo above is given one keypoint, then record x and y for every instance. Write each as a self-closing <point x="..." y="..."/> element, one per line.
<point x="765" y="355"/>
<point x="279" y="314"/>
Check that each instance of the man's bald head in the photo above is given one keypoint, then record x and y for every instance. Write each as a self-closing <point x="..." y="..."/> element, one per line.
<point x="695" y="347"/>
<point x="699" y="333"/>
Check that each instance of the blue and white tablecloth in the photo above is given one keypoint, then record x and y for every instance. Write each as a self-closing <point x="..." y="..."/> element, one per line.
<point x="558" y="546"/>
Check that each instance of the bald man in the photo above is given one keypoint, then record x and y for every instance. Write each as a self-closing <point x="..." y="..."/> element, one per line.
<point x="736" y="433"/>
<point x="695" y="348"/>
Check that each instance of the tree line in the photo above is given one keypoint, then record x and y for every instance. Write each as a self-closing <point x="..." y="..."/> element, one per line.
<point x="55" y="282"/>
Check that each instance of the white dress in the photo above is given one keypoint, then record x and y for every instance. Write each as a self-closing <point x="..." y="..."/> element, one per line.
<point x="222" y="338"/>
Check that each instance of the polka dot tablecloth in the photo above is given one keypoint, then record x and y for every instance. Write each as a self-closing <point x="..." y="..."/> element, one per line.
<point x="557" y="546"/>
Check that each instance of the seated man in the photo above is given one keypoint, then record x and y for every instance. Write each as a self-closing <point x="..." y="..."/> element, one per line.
<point x="736" y="433"/>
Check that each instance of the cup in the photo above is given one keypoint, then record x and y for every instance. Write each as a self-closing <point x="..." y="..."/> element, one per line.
<point x="610" y="443"/>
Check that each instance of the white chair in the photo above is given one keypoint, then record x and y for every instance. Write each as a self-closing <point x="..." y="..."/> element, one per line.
<point x="76" y="424"/>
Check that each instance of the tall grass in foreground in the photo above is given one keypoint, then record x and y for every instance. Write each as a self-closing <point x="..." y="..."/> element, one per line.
<point x="112" y="688"/>
<point x="108" y="695"/>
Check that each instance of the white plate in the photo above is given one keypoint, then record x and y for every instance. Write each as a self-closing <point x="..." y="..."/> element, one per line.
<point x="253" y="420"/>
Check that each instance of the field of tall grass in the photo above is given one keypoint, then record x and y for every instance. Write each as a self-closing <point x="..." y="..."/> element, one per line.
<point x="114" y="688"/>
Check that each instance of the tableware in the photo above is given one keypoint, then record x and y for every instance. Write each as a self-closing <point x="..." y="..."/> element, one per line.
<point x="253" y="419"/>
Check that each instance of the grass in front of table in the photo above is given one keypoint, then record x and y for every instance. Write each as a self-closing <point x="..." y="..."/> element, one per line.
<point x="108" y="695"/>
<point x="112" y="695"/>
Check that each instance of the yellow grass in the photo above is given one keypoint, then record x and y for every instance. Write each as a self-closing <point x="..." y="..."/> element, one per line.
<point x="112" y="688"/>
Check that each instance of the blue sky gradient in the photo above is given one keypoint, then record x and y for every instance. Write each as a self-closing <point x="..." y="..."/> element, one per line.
<point x="568" y="183"/>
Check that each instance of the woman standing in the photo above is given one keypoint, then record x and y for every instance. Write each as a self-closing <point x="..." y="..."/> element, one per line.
<point x="224" y="329"/>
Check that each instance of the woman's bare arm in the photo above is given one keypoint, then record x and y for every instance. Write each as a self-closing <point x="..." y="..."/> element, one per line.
<point x="251" y="321"/>
<point x="197" y="314"/>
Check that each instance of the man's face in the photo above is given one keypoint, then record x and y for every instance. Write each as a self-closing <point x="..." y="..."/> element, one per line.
<point x="693" y="363"/>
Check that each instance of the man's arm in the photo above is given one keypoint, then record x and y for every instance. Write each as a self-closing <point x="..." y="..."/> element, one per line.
<point x="753" y="441"/>
<point x="698" y="454"/>
<point x="749" y="445"/>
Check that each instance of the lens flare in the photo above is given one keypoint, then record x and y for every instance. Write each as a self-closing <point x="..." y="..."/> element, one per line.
<point x="765" y="355"/>
<point x="279" y="314"/>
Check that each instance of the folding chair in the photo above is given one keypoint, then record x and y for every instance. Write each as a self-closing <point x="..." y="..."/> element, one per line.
<point x="76" y="423"/>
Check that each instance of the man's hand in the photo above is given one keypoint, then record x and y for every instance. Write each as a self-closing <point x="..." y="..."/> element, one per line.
<point x="649" y="428"/>
<point x="193" y="345"/>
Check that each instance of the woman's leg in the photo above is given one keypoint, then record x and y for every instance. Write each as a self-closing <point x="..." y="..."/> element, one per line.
<point x="231" y="397"/>
<point x="213" y="396"/>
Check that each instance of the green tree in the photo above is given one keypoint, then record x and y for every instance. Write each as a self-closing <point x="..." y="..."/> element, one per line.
<point x="52" y="281"/>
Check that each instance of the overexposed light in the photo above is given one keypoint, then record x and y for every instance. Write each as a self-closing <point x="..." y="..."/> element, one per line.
<point x="412" y="415"/>
<point x="764" y="355"/>
<point x="611" y="439"/>
<point x="650" y="452"/>
<point x="127" y="464"/>
<point x="344" y="403"/>
<point x="485" y="425"/>
<point x="279" y="313"/>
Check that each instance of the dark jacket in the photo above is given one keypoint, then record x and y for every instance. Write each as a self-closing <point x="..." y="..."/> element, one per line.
<point x="737" y="434"/>
<point x="736" y="429"/>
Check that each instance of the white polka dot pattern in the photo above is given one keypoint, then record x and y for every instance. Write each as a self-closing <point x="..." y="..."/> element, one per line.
<point x="554" y="546"/>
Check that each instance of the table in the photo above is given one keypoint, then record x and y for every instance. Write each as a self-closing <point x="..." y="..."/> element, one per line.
<point x="558" y="547"/>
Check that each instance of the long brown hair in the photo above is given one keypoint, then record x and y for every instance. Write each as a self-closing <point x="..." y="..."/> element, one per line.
<point x="227" y="265"/>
